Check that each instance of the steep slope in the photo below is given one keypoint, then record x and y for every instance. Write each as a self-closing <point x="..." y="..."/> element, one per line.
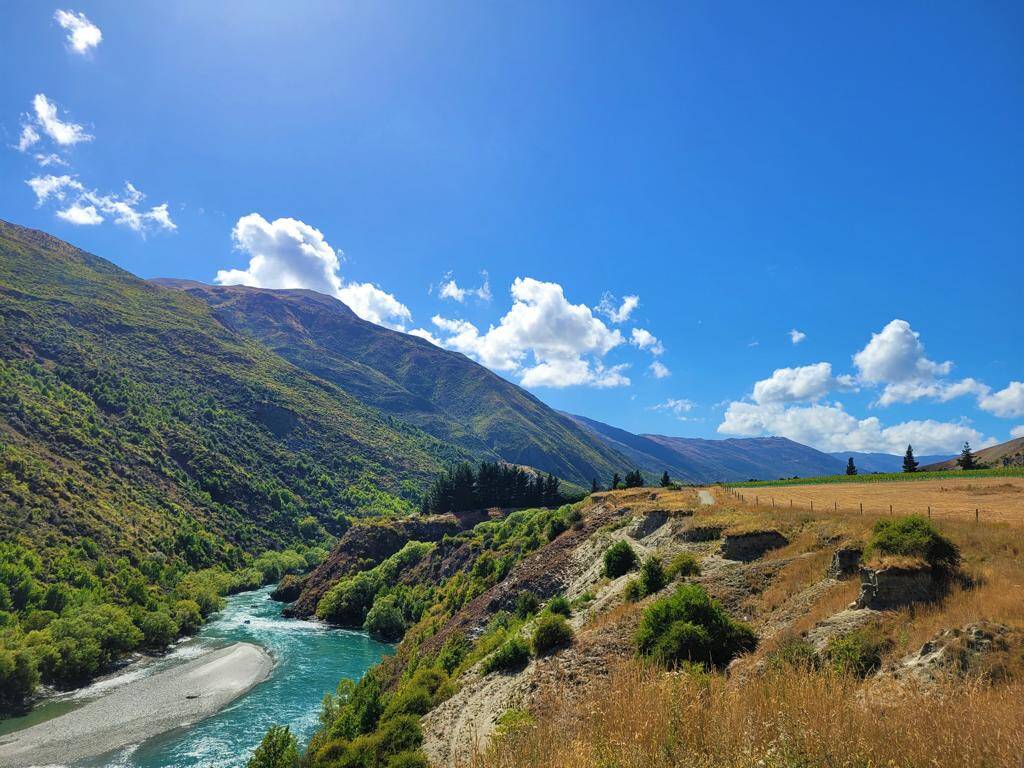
<point x="442" y="392"/>
<point x="706" y="461"/>
<point x="130" y="415"/>
<point x="1008" y="454"/>
<point x="882" y="462"/>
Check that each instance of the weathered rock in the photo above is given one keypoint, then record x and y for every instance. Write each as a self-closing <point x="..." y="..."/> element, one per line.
<point x="839" y="625"/>
<point x="845" y="562"/>
<point x="701" y="532"/>
<point x="981" y="649"/>
<point x="650" y="522"/>
<point x="752" y="545"/>
<point x="895" y="586"/>
<point x="288" y="589"/>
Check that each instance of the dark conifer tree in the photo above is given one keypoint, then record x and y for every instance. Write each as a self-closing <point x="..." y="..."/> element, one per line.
<point x="615" y="481"/>
<point x="594" y="488"/>
<point x="851" y="469"/>
<point x="967" y="460"/>
<point x="909" y="462"/>
<point x="666" y="481"/>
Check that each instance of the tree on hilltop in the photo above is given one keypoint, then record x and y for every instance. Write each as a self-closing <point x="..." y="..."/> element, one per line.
<point x="967" y="460"/>
<point x="909" y="462"/>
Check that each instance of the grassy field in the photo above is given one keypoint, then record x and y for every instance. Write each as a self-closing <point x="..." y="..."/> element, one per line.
<point x="997" y="498"/>
<point x="882" y="477"/>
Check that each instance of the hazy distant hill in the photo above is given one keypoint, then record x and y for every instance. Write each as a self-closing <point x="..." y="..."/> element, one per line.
<point x="699" y="460"/>
<point x="1008" y="454"/>
<point x="442" y="392"/>
<point x="882" y="462"/>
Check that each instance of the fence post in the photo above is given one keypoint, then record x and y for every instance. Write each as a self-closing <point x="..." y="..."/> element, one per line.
<point x="773" y="502"/>
<point x="835" y="506"/>
<point x="929" y="510"/>
<point x="890" y="510"/>
<point x="862" y="507"/>
<point x="975" y="514"/>
<point x="790" y="503"/>
<point x="812" y="505"/>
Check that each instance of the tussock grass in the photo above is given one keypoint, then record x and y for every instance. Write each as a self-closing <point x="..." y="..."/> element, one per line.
<point x="642" y="718"/>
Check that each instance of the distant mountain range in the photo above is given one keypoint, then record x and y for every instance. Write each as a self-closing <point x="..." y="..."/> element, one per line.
<point x="1008" y="454"/>
<point x="883" y="462"/>
<point x="706" y="461"/>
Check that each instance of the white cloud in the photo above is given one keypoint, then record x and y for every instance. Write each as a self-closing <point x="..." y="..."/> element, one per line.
<point x="64" y="134"/>
<point x="621" y="314"/>
<point x="796" y="336"/>
<point x="50" y="159"/>
<point x="1006" y="403"/>
<point x="288" y="253"/>
<point x="423" y="333"/>
<point x="1017" y="431"/>
<point x="659" y="370"/>
<point x="451" y="290"/>
<point x="123" y="209"/>
<point x="543" y="338"/>
<point x="678" y="406"/>
<point x="56" y="187"/>
<point x="82" y="33"/>
<point x="82" y="215"/>
<point x="831" y="428"/>
<point x="647" y="340"/>
<point x="896" y="354"/>
<point x="804" y="383"/>
<point x="29" y="136"/>
<point x="943" y="391"/>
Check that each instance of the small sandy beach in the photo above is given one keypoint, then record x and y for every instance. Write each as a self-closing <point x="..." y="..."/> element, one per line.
<point x="141" y="709"/>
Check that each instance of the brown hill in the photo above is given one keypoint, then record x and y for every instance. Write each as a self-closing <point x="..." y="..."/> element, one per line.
<point x="1008" y="454"/>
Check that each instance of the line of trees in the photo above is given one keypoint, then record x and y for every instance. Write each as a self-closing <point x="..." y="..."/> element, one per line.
<point x="463" y="488"/>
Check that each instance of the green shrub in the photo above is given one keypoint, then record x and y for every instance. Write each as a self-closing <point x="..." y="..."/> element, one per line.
<point x="796" y="653"/>
<point x="527" y="604"/>
<point x="690" y="626"/>
<point x="652" y="576"/>
<point x="683" y="564"/>
<point x="556" y="526"/>
<point x="858" y="653"/>
<point x="559" y="605"/>
<point x="159" y="629"/>
<point x="619" y="559"/>
<point x="914" y="536"/>
<point x="552" y="632"/>
<point x="453" y="652"/>
<point x="18" y="679"/>
<point x="188" y="615"/>
<point x="278" y="749"/>
<point x="514" y="654"/>
<point x="633" y="591"/>
<point x="385" y="621"/>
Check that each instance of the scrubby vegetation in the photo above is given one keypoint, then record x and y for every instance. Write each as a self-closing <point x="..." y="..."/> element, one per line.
<point x="914" y="536"/>
<point x="688" y="626"/>
<point x="551" y="633"/>
<point x="619" y="559"/>
<point x="652" y="579"/>
<point x="512" y="655"/>
<point x="682" y="565"/>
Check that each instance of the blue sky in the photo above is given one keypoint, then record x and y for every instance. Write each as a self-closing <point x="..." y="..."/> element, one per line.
<point x="851" y="173"/>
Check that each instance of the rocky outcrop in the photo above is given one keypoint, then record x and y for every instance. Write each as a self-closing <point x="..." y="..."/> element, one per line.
<point x="845" y="561"/>
<point x="894" y="586"/>
<point x="839" y="625"/>
<point x="649" y="523"/>
<point x="983" y="649"/>
<point x="701" y="532"/>
<point x="363" y="546"/>
<point x="751" y="545"/>
<point x="288" y="589"/>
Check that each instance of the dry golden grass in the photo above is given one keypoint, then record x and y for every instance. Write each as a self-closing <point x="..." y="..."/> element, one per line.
<point x="997" y="499"/>
<point x="643" y="718"/>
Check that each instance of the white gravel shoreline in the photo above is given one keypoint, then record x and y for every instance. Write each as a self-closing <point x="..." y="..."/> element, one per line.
<point x="141" y="709"/>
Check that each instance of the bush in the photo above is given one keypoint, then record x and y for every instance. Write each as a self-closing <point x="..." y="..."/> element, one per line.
<point x="652" y="576"/>
<point x="795" y="653"/>
<point x="552" y="633"/>
<point x="683" y="564"/>
<point x="159" y="629"/>
<point x="690" y="626"/>
<point x="556" y="526"/>
<point x="385" y="621"/>
<point x="619" y="559"/>
<point x="188" y="615"/>
<point x="277" y="750"/>
<point x="915" y="536"/>
<point x="514" y="654"/>
<point x="559" y="605"/>
<point x="18" y="679"/>
<point x="633" y="591"/>
<point x="526" y="604"/>
<point x="858" y="653"/>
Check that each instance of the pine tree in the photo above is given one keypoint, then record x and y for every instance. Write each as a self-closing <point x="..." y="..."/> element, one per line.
<point x="909" y="462"/>
<point x="666" y="481"/>
<point x="594" y="488"/>
<point x="615" y="481"/>
<point x="634" y="479"/>
<point x="966" y="460"/>
<point x="851" y="468"/>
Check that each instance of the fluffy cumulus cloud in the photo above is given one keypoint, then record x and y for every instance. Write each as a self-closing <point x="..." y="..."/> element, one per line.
<point x="82" y="33"/>
<point x="659" y="370"/>
<point x="46" y="118"/>
<point x="615" y="311"/>
<point x="805" y="383"/>
<point x="1006" y="403"/>
<point x="87" y="207"/>
<point x="1017" y="431"/>
<point x="796" y="336"/>
<point x="895" y="356"/>
<point x="452" y="290"/>
<point x="288" y="253"/>
<point x="543" y="338"/>
<point x="942" y="391"/>
<point x="828" y="427"/>
<point x="646" y="340"/>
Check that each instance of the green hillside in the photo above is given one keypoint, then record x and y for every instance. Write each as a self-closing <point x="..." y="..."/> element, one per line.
<point x="442" y="392"/>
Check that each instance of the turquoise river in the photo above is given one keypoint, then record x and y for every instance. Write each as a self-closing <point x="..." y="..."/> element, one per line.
<point x="309" y="660"/>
